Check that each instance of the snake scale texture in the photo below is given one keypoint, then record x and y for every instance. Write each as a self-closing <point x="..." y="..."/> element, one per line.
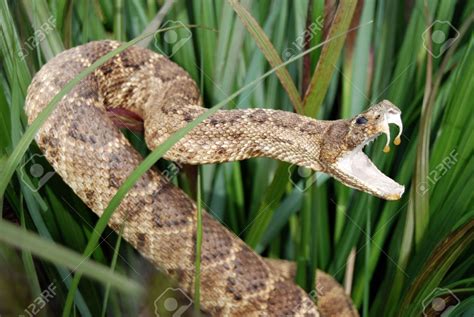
<point x="89" y="152"/>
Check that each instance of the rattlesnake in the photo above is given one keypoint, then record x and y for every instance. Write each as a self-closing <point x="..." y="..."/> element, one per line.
<point x="89" y="152"/>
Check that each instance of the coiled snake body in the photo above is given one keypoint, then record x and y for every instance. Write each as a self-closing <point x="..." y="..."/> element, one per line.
<point x="92" y="156"/>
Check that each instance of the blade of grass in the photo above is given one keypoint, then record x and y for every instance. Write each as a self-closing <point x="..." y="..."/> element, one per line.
<point x="55" y="253"/>
<point x="269" y="51"/>
<point x="112" y="268"/>
<point x="256" y="66"/>
<point x="119" y="29"/>
<point x="224" y="37"/>
<point x="186" y="56"/>
<point x="205" y="12"/>
<point x="136" y="18"/>
<point x="155" y="24"/>
<point x="362" y="56"/>
<point x="52" y="44"/>
<point x="11" y="50"/>
<point x="291" y="203"/>
<point x="226" y="75"/>
<point x="368" y="240"/>
<point x="421" y="201"/>
<point x="197" y="270"/>
<point x="270" y="201"/>
<point x="46" y="232"/>
<point x="319" y="84"/>
<point x="322" y="226"/>
<point x="28" y="259"/>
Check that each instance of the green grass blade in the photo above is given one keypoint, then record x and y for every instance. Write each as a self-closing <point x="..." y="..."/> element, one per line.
<point x="119" y="29"/>
<point x="197" y="270"/>
<point x="269" y="51"/>
<point x="28" y="261"/>
<point x="361" y="57"/>
<point x="112" y="268"/>
<point x="49" y="251"/>
<point x="270" y="201"/>
<point x="39" y="15"/>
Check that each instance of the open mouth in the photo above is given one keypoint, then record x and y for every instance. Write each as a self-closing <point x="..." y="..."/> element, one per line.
<point x="359" y="171"/>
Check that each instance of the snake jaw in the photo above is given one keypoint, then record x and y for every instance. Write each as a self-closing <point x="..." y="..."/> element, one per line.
<point x="356" y="170"/>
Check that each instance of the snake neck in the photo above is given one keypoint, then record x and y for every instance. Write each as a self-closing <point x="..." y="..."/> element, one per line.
<point x="232" y="135"/>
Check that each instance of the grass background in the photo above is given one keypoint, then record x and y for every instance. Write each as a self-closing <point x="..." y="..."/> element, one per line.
<point x="392" y="255"/>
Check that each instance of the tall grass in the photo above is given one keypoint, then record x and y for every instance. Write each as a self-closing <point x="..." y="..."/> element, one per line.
<point x="406" y="252"/>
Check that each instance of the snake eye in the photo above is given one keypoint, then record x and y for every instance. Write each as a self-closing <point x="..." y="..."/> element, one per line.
<point x="361" y="120"/>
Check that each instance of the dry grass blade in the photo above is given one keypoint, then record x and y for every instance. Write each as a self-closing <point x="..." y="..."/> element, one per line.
<point x="155" y="24"/>
<point x="441" y="260"/>
<point x="329" y="55"/>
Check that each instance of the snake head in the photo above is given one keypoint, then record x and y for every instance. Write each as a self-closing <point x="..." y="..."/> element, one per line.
<point x="346" y="161"/>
